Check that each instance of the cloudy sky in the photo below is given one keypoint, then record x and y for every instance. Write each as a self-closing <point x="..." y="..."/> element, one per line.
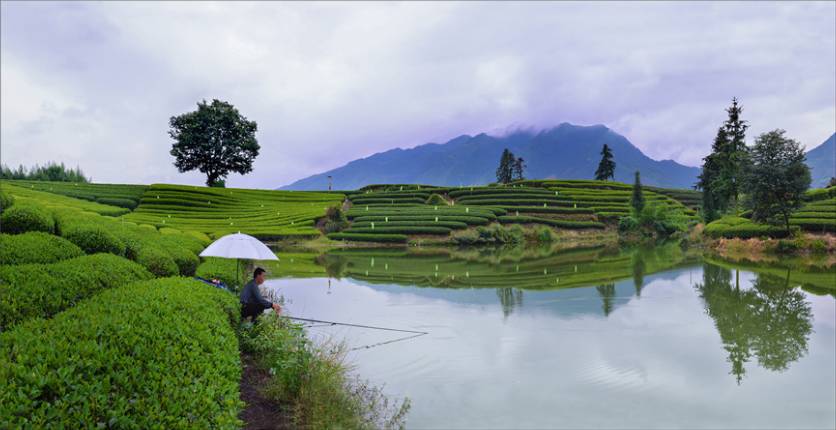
<point x="94" y="84"/>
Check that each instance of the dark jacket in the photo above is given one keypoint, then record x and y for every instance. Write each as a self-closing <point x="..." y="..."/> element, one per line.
<point x="250" y="295"/>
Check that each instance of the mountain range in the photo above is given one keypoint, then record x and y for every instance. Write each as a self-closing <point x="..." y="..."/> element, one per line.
<point x="822" y="162"/>
<point x="566" y="152"/>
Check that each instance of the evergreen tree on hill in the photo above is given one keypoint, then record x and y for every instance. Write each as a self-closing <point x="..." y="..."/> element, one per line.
<point x="606" y="168"/>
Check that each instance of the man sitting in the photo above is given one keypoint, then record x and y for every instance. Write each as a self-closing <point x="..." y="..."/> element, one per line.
<point x="252" y="303"/>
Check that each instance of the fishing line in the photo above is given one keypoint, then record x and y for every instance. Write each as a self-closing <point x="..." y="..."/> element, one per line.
<point x="356" y="325"/>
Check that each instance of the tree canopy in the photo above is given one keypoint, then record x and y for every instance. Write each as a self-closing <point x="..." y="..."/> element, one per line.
<point x="637" y="199"/>
<point x="723" y="170"/>
<point x="215" y="139"/>
<point x="510" y="168"/>
<point x="606" y="168"/>
<point x="777" y="178"/>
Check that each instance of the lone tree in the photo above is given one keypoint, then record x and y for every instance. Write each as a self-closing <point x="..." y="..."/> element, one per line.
<point x="606" y="168"/>
<point x="777" y="178"/>
<point x="637" y="200"/>
<point x="714" y="196"/>
<point x="510" y="168"/>
<point x="215" y="139"/>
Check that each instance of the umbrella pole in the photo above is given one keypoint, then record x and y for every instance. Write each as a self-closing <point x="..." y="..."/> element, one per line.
<point x="237" y="278"/>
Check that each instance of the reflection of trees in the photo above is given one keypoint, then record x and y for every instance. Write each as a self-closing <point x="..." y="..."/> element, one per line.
<point x="607" y="293"/>
<point x="770" y="321"/>
<point x="509" y="298"/>
<point x="638" y="272"/>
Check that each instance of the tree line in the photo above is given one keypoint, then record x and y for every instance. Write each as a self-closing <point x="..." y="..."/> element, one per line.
<point x="768" y="178"/>
<point x="50" y="172"/>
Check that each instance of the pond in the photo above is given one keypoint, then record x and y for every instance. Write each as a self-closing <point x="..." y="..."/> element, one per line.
<point x="595" y="338"/>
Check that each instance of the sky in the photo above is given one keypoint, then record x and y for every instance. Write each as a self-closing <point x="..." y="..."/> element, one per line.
<point x="94" y="84"/>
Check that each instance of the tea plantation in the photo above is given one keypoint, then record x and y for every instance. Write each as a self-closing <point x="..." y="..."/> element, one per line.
<point x="392" y="213"/>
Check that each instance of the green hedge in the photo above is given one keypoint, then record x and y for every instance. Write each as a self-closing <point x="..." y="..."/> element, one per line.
<point x="94" y="238"/>
<point x="157" y="261"/>
<point x="428" y="223"/>
<point x="36" y="247"/>
<point x="22" y="218"/>
<point x="156" y="354"/>
<point x="815" y="225"/>
<point x="548" y="210"/>
<point x="400" y="230"/>
<point x="6" y="200"/>
<point x="552" y="222"/>
<point x="120" y="202"/>
<point x="42" y="290"/>
<point x="393" y="200"/>
<point x="469" y="220"/>
<point x="359" y="237"/>
<point x="736" y="227"/>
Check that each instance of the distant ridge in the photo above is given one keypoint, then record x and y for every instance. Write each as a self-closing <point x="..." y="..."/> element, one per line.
<point x="566" y="151"/>
<point x="822" y="162"/>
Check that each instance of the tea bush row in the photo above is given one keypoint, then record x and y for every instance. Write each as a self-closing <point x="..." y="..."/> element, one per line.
<point x="36" y="247"/>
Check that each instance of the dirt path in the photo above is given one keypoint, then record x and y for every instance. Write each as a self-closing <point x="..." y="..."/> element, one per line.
<point x="260" y="413"/>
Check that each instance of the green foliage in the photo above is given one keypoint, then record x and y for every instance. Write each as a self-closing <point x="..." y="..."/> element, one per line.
<point x="93" y="238"/>
<point x="777" y="178"/>
<point x="155" y="354"/>
<point x="50" y="172"/>
<point x="60" y="195"/>
<point x="510" y="168"/>
<point x="723" y="171"/>
<point x="23" y="218"/>
<point x="736" y="227"/>
<point x="42" y="290"/>
<point x="436" y="199"/>
<point x="334" y="220"/>
<point x="628" y="223"/>
<point x="36" y="247"/>
<point x="570" y="224"/>
<point x="6" y="200"/>
<point x="227" y="270"/>
<point x="606" y="167"/>
<point x="399" y="230"/>
<point x="365" y="237"/>
<point x="215" y="139"/>
<point x="492" y="234"/>
<point x="637" y="198"/>
<point x="157" y="261"/>
<point x="314" y="380"/>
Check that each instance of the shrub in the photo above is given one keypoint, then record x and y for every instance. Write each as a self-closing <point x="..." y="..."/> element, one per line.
<point x="492" y="234"/>
<point x="436" y="200"/>
<point x="361" y="237"/>
<point x="155" y="354"/>
<point x="6" y="200"/>
<point x="93" y="239"/>
<point x="545" y="235"/>
<point x="20" y="219"/>
<point x="628" y="223"/>
<point x="736" y="227"/>
<point x="42" y="290"/>
<point x="36" y="247"/>
<point x="334" y="220"/>
<point x="157" y="261"/>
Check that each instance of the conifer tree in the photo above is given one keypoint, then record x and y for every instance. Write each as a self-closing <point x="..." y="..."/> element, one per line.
<point x="606" y="168"/>
<point x="505" y="171"/>
<point x="637" y="200"/>
<point x="519" y="169"/>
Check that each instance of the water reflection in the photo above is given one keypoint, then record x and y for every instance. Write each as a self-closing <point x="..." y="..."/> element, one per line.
<point x="771" y="320"/>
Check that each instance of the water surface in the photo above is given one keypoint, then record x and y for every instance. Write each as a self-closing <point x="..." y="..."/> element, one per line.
<point x="653" y="338"/>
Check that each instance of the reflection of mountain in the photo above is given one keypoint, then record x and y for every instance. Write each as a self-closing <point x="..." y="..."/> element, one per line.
<point x="479" y="277"/>
<point x="492" y="268"/>
<point x="771" y="320"/>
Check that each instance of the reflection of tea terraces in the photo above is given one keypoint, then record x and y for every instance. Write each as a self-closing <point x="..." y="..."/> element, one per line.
<point x="564" y="270"/>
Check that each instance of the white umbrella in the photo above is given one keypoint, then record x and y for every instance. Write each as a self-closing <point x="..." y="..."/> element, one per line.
<point x="239" y="246"/>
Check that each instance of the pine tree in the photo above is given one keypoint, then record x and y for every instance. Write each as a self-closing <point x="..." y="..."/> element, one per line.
<point x="519" y="169"/>
<point x="735" y="154"/>
<point x="505" y="171"/>
<point x="637" y="200"/>
<point x="606" y="168"/>
<point x="715" y="194"/>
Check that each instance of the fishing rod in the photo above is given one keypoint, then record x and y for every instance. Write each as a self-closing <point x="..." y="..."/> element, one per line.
<point x="332" y="323"/>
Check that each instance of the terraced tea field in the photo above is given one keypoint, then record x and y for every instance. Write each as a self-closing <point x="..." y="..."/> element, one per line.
<point x="390" y="212"/>
<point x="265" y="214"/>
<point x="122" y="195"/>
<point x="819" y="213"/>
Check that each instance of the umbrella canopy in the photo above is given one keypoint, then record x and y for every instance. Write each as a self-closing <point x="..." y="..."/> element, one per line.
<point x="239" y="246"/>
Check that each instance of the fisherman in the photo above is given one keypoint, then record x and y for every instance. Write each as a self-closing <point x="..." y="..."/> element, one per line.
<point x="252" y="302"/>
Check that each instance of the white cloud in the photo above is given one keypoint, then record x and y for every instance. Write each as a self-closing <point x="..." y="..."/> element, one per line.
<point x="95" y="83"/>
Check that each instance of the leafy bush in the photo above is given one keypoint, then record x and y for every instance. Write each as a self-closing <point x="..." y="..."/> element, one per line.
<point x="545" y="235"/>
<point x="334" y="220"/>
<point x="436" y="200"/>
<point x="157" y="261"/>
<point x="23" y="218"/>
<point x="818" y="225"/>
<point x="736" y="227"/>
<point x="36" y="247"/>
<point x="628" y="223"/>
<point x="492" y="234"/>
<point x="42" y="290"/>
<point x="155" y="354"/>
<point x="361" y="237"/>
<point x="6" y="200"/>
<point x="93" y="239"/>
